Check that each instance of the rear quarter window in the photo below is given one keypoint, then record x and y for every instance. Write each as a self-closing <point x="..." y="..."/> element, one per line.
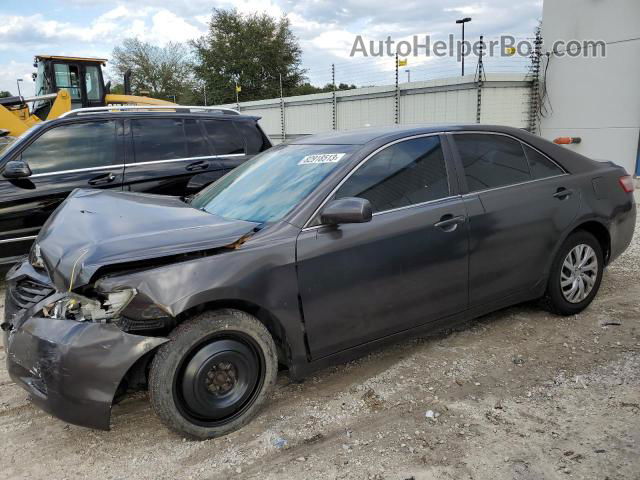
<point x="255" y="140"/>
<point x="225" y="138"/>
<point x="541" y="166"/>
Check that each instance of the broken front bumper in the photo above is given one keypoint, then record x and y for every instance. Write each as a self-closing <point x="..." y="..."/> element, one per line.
<point x="71" y="369"/>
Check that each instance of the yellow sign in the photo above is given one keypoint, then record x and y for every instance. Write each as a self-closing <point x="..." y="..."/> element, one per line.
<point x="238" y="88"/>
<point x="510" y="51"/>
<point x="402" y="62"/>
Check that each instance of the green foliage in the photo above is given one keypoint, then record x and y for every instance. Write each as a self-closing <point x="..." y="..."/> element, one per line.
<point x="252" y="50"/>
<point x="4" y="94"/>
<point x="306" y="88"/>
<point x="158" y="72"/>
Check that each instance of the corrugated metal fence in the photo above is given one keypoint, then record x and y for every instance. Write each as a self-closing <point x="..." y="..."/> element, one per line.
<point x="505" y="101"/>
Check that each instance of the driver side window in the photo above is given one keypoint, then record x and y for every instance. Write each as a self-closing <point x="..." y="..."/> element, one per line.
<point x="406" y="173"/>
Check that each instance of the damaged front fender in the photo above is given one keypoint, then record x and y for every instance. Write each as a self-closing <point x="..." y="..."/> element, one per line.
<point x="72" y="370"/>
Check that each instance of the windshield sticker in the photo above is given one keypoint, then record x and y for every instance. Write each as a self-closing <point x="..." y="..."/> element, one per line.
<point x="321" y="158"/>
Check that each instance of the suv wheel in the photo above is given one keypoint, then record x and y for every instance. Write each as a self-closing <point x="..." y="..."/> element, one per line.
<point x="575" y="275"/>
<point x="214" y="374"/>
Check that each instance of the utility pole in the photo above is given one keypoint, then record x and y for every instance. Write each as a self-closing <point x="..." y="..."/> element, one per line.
<point x="283" y="126"/>
<point x="480" y="80"/>
<point x="333" y="83"/>
<point x="205" y="94"/>
<point x="534" y="73"/>
<point x="462" y="21"/>
<point x="397" y="113"/>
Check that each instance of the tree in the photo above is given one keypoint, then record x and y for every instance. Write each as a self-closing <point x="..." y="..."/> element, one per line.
<point x="306" y="88"/>
<point x="4" y="94"/>
<point x="252" y="50"/>
<point x="159" y="72"/>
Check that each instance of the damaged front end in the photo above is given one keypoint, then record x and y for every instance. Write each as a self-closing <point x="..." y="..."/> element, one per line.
<point x="69" y="351"/>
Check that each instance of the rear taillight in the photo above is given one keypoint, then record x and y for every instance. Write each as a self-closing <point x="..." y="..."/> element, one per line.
<point x="626" y="183"/>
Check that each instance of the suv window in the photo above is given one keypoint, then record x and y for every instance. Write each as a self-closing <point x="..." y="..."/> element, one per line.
<point x="158" y="139"/>
<point x="72" y="146"/>
<point x="491" y="161"/>
<point x="541" y="166"/>
<point x="406" y="173"/>
<point x="254" y="138"/>
<point x="224" y="136"/>
<point x="197" y="145"/>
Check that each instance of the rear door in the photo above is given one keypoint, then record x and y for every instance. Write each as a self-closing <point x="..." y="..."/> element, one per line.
<point x="519" y="203"/>
<point x="163" y="154"/>
<point x="85" y="154"/>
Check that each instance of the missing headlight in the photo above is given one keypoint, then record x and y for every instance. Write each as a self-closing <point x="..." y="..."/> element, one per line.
<point x="35" y="257"/>
<point x="81" y="309"/>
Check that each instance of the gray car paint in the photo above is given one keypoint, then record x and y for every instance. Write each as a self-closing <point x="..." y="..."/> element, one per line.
<point x="282" y="273"/>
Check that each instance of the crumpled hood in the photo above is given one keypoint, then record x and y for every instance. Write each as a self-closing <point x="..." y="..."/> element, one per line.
<point x="93" y="228"/>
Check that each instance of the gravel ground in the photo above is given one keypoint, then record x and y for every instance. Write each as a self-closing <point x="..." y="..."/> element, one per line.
<point x="519" y="394"/>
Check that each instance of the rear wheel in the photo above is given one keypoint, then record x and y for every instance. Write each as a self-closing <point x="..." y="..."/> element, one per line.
<point x="575" y="275"/>
<point x="214" y="374"/>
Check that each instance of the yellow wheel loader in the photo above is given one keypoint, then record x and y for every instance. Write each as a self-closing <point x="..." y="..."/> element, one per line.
<point x="63" y="84"/>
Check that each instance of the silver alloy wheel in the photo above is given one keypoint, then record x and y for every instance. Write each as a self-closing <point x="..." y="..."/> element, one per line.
<point x="578" y="273"/>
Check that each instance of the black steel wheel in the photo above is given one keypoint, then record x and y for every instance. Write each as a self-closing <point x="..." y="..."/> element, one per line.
<point x="213" y="375"/>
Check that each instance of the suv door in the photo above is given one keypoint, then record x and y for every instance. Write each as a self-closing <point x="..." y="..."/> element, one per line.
<point x="404" y="268"/>
<point x="164" y="153"/>
<point x="234" y="141"/>
<point x="519" y="203"/>
<point x="86" y="154"/>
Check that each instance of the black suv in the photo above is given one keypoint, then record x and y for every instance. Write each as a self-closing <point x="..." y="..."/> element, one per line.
<point x="175" y="152"/>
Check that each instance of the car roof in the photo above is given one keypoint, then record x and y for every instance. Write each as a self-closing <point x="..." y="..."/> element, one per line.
<point x="363" y="136"/>
<point x="151" y="114"/>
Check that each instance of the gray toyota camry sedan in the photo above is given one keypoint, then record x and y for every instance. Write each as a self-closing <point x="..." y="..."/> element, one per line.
<point x="311" y="253"/>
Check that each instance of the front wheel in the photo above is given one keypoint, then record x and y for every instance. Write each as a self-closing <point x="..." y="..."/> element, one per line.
<point x="214" y="374"/>
<point x="575" y="275"/>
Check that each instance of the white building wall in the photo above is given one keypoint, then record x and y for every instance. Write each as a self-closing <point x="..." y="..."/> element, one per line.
<point x="597" y="99"/>
<point x="450" y="100"/>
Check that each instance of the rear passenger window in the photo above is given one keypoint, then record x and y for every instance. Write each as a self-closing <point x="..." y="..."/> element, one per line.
<point x="158" y="139"/>
<point x="541" y="166"/>
<point x="403" y="174"/>
<point x="77" y="145"/>
<point x="254" y="138"/>
<point x="491" y="161"/>
<point x="224" y="137"/>
<point x="196" y="143"/>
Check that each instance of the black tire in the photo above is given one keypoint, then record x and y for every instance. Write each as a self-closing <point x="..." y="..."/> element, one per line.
<point x="214" y="374"/>
<point x="554" y="299"/>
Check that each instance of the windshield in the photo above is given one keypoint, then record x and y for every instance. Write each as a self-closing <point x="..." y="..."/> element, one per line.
<point x="267" y="187"/>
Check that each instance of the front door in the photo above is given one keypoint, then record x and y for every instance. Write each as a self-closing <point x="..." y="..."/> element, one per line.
<point x="76" y="155"/>
<point x="405" y="268"/>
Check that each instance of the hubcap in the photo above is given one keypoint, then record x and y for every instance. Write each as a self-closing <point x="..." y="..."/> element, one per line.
<point x="219" y="380"/>
<point x="578" y="273"/>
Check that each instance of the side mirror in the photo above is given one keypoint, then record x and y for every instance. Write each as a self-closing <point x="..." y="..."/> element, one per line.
<point x="16" y="169"/>
<point x="346" y="210"/>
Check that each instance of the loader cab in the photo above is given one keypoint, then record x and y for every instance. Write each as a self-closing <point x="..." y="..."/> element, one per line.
<point x="82" y="77"/>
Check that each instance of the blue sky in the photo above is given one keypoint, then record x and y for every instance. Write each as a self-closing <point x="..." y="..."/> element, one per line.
<point x="326" y="29"/>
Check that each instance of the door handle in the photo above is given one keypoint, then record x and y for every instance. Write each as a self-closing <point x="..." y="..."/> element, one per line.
<point x="449" y="223"/>
<point x="562" y="193"/>
<point x="194" y="167"/>
<point x="102" y="179"/>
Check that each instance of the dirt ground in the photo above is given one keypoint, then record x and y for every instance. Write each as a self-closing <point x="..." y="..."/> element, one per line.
<point x="519" y="394"/>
